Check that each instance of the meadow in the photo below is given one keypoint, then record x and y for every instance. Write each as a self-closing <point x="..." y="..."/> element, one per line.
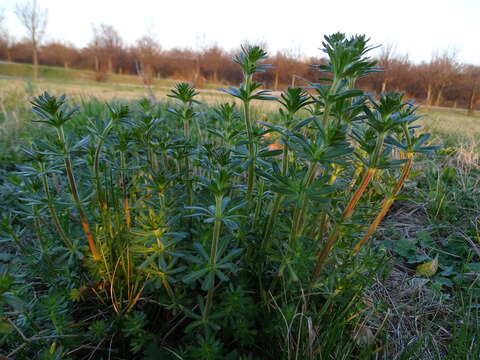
<point x="171" y="223"/>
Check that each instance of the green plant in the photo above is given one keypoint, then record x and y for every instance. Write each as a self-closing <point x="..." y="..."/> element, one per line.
<point x="206" y="242"/>
<point x="55" y="112"/>
<point x="250" y="61"/>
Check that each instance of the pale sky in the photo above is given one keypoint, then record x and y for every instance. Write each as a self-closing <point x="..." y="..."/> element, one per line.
<point x="417" y="27"/>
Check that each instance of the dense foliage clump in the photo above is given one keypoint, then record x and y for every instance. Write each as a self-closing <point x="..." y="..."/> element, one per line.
<point x="184" y="231"/>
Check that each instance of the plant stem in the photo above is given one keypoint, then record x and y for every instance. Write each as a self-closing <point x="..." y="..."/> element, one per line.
<point x="17" y="241"/>
<point x="258" y="206"/>
<point x="213" y="251"/>
<point x="251" y="145"/>
<point x="271" y="221"/>
<point x="322" y="256"/>
<point x="321" y="218"/>
<point x="126" y="207"/>
<point x="386" y="204"/>
<point x="168" y="288"/>
<point x="102" y="204"/>
<point x="285" y="159"/>
<point x="326" y="110"/>
<point x="300" y="212"/>
<point x="76" y="197"/>
<point x="41" y="240"/>
<point x="356" y="174"/>
<point x="165" y="160"/>
<point x="310" y="176"/>
<point x="276" y="204"/>
<point x="53" y="212"/>
<point x="186" y="134"/>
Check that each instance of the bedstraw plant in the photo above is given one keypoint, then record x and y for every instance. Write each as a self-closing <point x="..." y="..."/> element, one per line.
<point x="201" y="238"/>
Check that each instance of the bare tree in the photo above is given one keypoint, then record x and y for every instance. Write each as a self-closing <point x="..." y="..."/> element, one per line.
<point x="5" y="39"/>
<point x="437" y="75"/>
<point x="446" y="68"/>
<point x="107" y="44"/>
<point x="146" y="52"/>
<point x="34" y="20"/>
<point x="211" y="61"/>
<point x="471" y="78"/>
<point x="385" y="60"/>
<point x="2" y="19"/>
<point x="58" y="53"/>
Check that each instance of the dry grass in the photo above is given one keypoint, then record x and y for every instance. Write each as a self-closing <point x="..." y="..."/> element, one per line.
<point x="417" y="322"/>
<point x="410" y="315"/>
<point x="413" y="317"/>
<point x="102" y="91"/>
<point x="454" y="125"/>
<point x="21" y="90"/>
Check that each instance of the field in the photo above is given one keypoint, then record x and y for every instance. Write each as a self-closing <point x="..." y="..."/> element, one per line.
<point x="224" y="228"/>
<point x="58" y="75"/>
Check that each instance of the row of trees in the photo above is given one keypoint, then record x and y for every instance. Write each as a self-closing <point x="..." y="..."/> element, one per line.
<point x="442" y="81"/>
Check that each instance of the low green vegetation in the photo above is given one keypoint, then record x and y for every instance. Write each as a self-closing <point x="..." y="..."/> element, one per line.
<point x="327" y="226"/>
<point x="74" y="76"/>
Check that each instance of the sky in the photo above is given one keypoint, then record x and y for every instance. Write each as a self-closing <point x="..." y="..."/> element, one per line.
<point x="418" y="28"/>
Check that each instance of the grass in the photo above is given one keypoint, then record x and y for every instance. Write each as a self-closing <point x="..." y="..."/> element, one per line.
<point x="54" y="74"/>
<point x="454" y="126"/>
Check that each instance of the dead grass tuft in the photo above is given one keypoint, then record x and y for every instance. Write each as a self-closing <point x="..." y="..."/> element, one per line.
<point x="413" y="318"/>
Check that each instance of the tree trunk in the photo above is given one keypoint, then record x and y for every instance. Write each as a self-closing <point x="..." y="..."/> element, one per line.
<point x="429" y="95"/>
<point x="35" y="62"/>
<point x="471" y="103"/>
<point x="384" y="86"/>
<point x="439" y="97"/>
<point x="110" y="65"/>
<point x="275" y="86"/>
<point x="97" y="64"/>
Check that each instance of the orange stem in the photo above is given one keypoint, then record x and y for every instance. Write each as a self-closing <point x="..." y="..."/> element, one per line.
<point x="358" y="194"/>
<point x="127" y="212"/>
<point x="386" y="204"/>
<point x="322" y="256"/>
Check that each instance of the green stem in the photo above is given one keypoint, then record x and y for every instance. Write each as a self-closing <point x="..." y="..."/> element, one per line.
<point x="378" y="150"/>
<point x="74" y="191"/>
<point x="165" y="160"/>
<point x="326" y="110"/>
<point x="276" y="204"/>
<point x="271" y="220"/>
<point x="258" y="206"/>
<point x="154" y="160"/>
<point x="213" y="252"/>
<point x="17" y="241"/>
<point x="186" y="134"/>
<point x="123" y="185"/>
<point x="285" y="160"/>
<point x="41" y="240"/>
<point x="251" y="145"/>
<point x="53" y="212"/>
<point x="299" y="212"/>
